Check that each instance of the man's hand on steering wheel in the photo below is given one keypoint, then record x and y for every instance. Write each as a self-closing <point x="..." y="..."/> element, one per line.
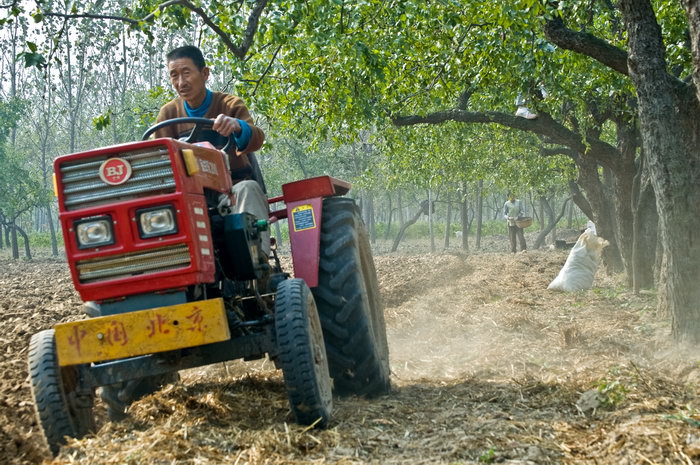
<point x="199" y="124"/>
<point x="226" y="125"/>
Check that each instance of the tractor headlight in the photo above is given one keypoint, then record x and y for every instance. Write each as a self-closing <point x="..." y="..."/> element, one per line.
<point x="157" y="221"/>
<point x="94" y="232"/>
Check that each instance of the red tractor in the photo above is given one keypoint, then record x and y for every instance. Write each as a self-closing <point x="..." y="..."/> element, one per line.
<point x="175" y="280"/>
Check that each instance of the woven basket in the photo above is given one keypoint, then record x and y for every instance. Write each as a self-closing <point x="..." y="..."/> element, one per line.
<point x="523" y="222"/>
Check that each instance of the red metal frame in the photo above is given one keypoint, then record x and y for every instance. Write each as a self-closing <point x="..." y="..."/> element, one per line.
<point x="303" y="199"/>
<point x="307" y="195"/>
<point x="191" y="211"/>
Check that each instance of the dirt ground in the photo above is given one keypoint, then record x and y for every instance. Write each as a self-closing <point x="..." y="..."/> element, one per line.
<point x="487" y="367"/>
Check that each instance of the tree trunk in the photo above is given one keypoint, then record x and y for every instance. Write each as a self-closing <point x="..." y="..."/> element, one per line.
<point x="553" y="232"/>
<point x="479" y="210"/>
<point x="646" y="220"/>
<point x="13" y="238"/>
<point x="669" y="124"/>
<point x="52" y="231"/>
<point x="601" y="208"/>
<point x="423" y="211"/>
<point x="430" y="221"/>
<point x="25" y="237"/>
<point x="623" y="188"/>
<point x="464" y="218"/>
<point x="387" y="233"/>
<point x="580" y="200"/>
<point x="370" y="216"/>
<point x="552" y="220"/>
<point x="448" y="221"/>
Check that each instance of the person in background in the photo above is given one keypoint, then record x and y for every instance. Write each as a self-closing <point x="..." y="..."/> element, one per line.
<point x="513" y="210"/>
<point x="188" y="75"/>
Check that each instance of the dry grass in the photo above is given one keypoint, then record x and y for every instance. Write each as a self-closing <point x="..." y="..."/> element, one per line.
<point x="488" y="367"/>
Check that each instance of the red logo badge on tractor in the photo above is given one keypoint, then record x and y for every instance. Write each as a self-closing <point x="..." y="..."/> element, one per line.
<point x="115" y="171"/>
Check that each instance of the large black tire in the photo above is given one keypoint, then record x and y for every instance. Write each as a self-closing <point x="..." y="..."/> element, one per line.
<point x="302" y="355"/>
<point x="61" y="409"/>
<point x="349" y="304"/>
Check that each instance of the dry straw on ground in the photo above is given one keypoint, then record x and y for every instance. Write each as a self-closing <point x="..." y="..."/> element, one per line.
<point x="488" y="367"/>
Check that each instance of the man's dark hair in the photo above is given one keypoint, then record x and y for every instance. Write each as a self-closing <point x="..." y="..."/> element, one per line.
<point x="188" y="51"/>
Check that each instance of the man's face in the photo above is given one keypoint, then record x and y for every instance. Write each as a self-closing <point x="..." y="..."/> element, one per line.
<point x="511" y="197"/>
<point x="188" y="81"/>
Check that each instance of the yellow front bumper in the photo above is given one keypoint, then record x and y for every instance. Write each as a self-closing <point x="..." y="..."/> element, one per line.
<point x="143" y="332"/>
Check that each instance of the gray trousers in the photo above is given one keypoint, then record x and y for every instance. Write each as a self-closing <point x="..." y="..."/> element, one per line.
<point x="250" y="198"/>
<point x="513" y="233"/>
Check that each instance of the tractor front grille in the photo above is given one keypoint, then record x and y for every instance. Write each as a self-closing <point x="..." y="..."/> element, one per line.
<point x="152" y="173"/>
<point x="133" y="264"/>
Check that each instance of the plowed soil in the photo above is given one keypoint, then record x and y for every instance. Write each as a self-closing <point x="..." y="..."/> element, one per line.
<point x="487" y="367"/>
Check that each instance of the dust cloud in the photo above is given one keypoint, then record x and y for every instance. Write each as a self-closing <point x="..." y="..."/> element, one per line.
<point x="490" y="315"/>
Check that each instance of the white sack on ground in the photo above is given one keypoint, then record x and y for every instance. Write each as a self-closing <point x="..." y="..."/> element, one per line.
<point x="581" y="264"/>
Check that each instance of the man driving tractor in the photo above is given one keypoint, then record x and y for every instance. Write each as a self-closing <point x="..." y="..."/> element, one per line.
<point x="188" y="75"/>
<point x="164" y="237"/>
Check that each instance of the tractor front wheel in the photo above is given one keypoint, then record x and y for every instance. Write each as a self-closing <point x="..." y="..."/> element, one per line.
<point x="349" y="303"/>
<point x="62" y="406"/>
<point x="302" y="354"/>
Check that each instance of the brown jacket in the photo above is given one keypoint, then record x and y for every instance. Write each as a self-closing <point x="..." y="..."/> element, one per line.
<point x="221" y="103"/>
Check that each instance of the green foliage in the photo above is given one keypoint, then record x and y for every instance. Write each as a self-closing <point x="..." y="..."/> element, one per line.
<point x="421" y="230"/>
<point x="20" y="188"/>
<point x="611" y="393"/>
<point x="493" y="227"/>
<point x="32" y="57"/>
<point x="100" y="122"/>
<point x="488" y="457"/>
<point x="37" y="239"/>
<point x="10" y="112"/>
<point x="690" y="415"/>
<point x="329" y="77"/>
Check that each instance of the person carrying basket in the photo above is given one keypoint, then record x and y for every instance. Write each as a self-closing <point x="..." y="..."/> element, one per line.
<point x="515" y="215"/>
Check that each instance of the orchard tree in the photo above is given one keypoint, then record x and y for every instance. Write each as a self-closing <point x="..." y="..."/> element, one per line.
<point x="604" y="80"/>
<point x="20" y="188"/>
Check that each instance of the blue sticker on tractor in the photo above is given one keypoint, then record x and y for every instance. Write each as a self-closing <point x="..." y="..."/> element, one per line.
<point x="303" y="218"/>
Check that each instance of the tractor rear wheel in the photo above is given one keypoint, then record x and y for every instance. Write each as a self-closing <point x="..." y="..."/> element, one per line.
<point x="62" y="407"/>
<point x="302" y="354"/>
<point x="349" y="303"/>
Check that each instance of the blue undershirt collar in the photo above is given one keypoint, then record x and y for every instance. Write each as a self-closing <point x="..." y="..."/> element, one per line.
<point x="201" y="110"/>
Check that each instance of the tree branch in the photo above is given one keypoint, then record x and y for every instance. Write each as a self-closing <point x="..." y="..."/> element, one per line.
<point x="267" y="70"/>
<point x="253" y="22"/>
<point x="606" y="154"/>
<point x="580" y="200"/>
<point x="463" y="101"/>
<point x="550" y="152"/>
<point x="238" y="51"/>
<point x="586" y="44"/>
<point x="132" y="21"/>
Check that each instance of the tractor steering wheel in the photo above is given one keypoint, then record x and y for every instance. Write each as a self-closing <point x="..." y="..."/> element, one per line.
<point x="199" y="124"/>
